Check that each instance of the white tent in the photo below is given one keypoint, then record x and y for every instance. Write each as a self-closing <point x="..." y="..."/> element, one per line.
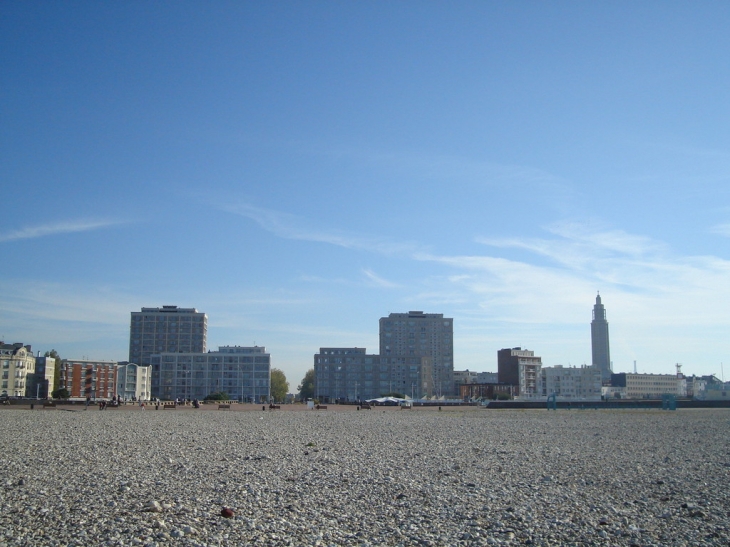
<point x="386" y="400"/>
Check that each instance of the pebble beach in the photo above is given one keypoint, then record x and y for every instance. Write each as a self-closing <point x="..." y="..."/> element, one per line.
<point x="462" y="476"/>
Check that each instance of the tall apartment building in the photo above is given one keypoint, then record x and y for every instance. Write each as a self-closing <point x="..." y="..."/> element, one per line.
<point x="168" y="329"/>
<point x="86" y="378"/>
<point x="408" y="338"/>
<point x="519" y="367"/>
<point x="17" y="365"/>
<point x="242" y="372"/>
<point x="599" y="341"/>
<point x="570" y="383"/>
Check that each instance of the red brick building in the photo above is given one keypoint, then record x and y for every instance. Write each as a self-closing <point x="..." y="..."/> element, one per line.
<point x="95" y="379"/>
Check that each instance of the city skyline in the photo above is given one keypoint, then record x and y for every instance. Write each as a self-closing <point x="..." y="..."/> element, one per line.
<point x="296" y="171"/>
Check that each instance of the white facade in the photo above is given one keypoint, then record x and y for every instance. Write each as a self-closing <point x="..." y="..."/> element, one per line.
<point x="649" y="386"/>
<point x="529" y="376"/>
<point x="570" y="383"/>
<point x="17" y="370"/>
<point x="134" y="382"/>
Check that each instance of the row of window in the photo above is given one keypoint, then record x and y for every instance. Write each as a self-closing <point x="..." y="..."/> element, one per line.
<point x="163" y="319"/>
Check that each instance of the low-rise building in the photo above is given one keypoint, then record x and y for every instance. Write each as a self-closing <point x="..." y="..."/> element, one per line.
<point x="613" y="392"/>
<point x="134" y="382"/>
<point x="17" y="368"/>
<point x="487" y="378"/>
<point x="570" y="383"/>
<point x="717" y="392"/>
<point x="485" y="391"/>
<point x="649" y="386"/>
<point x="243" y="372"/>
<point x="89" y="379"/>
<point x="351" y="374"/>
<point x="462" y="377"/>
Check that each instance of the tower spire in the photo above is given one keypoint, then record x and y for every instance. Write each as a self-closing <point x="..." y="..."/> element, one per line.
<point x="599" y="340"/>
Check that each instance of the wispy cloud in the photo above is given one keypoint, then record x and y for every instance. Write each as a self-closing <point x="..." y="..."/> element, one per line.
<point x="578" y="246"/>
<point x="43" y="230"/>
<point x="378" y="281"/>
<point x="643" y="276"/>
<point x="295" y="227"/>
<point x="721" y="229"/>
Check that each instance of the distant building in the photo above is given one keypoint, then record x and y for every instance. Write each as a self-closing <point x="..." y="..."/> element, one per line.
<point x="462" y="377"/>
<point x="520" y="368"/>
<point x="407" y="338"/>
<point x="570" y="383"/>
<point x="717" y="392"/>
<point x="45" y="377"/>
<point x="18" y="370"/>
<point x="134" y="382"/>
<point x="485" y="391"/>
<point x="351" y="374"/>
<point x="87" y="378"/>
<point x="168" y="329"/>
<point x="599" y="341"/>
<point x="243" y="372"/>
<point x="648" y="386"/>
<point x="487" y="378"/>
<point x="696" y="386"/>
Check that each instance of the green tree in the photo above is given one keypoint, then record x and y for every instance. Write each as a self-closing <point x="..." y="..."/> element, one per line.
<point x="57" y="370"/>
<point x="218" y="396"/>
<point x="60" y="393"/>
<point x="306" y="388"/>
<point x="279" y="385"/>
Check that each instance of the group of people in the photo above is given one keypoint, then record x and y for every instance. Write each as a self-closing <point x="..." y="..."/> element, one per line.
<point x="194" y="402"/>
<point x="115" y="402"/>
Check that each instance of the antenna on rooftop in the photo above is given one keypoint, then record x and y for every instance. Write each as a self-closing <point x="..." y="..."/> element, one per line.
<point x="679" y="370"/>
<point x="634" y="366"/>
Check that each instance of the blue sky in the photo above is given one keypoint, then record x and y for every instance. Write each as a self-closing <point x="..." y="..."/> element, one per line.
<point x="298" y="170"/>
